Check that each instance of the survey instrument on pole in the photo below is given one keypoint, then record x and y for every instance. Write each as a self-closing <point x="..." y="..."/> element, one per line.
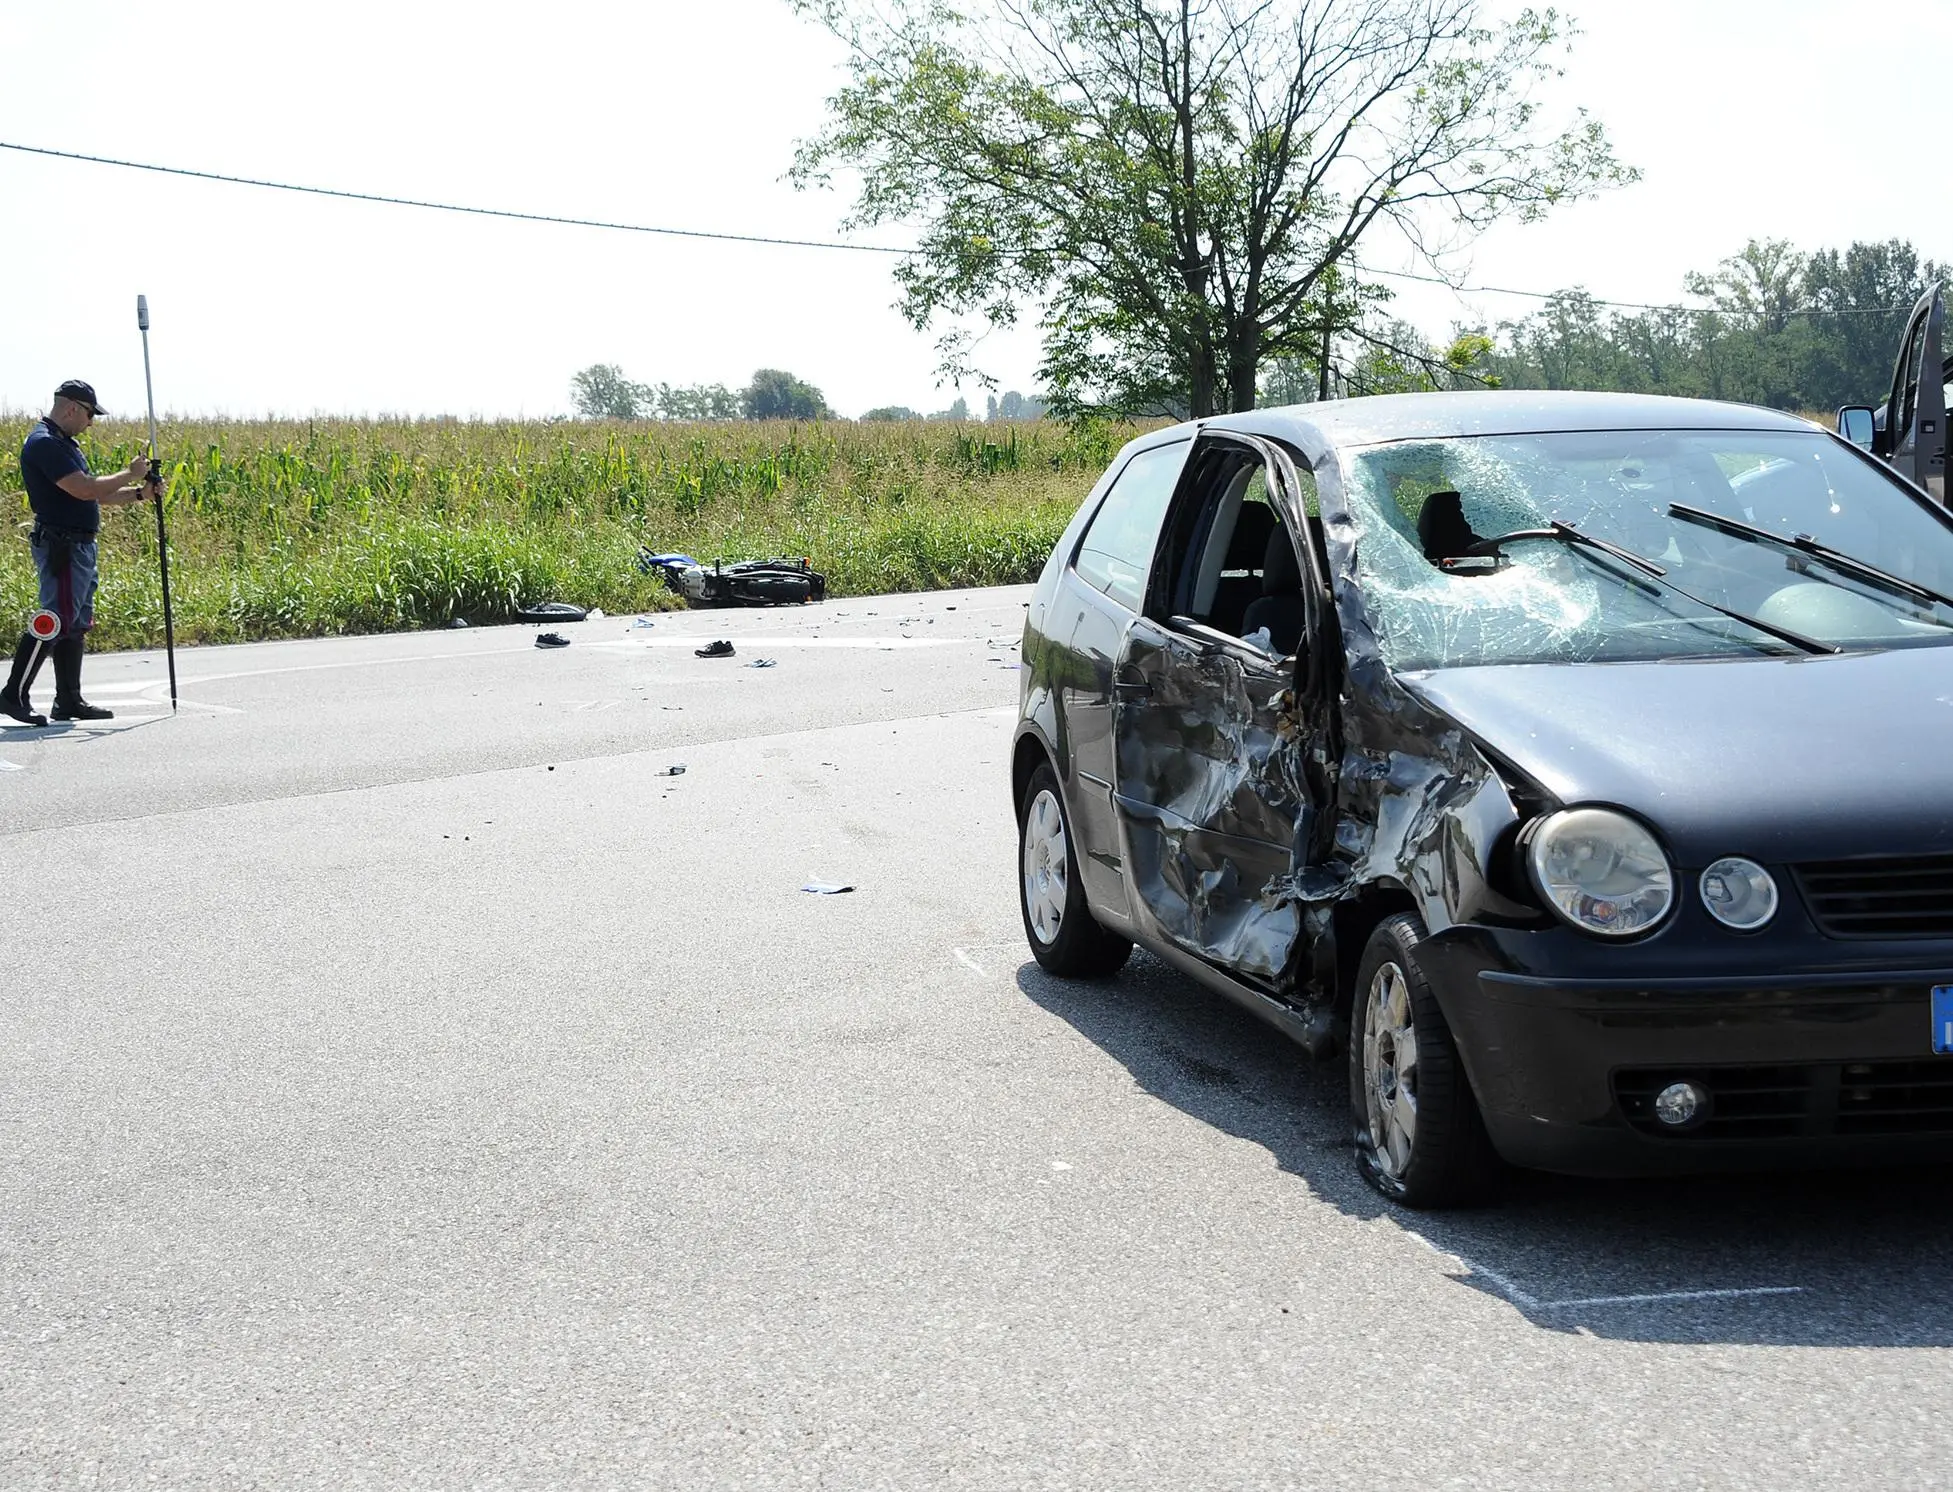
<point x="156" y="493"/>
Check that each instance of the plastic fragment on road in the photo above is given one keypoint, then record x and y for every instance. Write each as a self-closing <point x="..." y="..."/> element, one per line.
<point x="825" y="888"/>
<point x="676" y="769"/>
<point x="638" y="623"/>
<point x="764" y="663"/>
<point x="552" y="640"/>
<point x="718" y="649"/>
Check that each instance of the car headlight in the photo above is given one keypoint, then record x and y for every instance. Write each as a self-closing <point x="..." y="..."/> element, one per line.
<point x="1739" y="893"/>
<point x="1601" y="871"/>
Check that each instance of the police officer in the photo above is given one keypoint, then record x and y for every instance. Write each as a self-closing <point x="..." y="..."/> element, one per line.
<point x="67" y="501"/>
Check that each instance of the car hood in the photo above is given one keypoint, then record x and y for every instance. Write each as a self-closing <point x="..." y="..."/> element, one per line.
<point x="1778" y="758"/>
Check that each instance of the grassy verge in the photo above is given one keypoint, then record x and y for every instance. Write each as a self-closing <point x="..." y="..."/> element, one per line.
<point x="312" y="528"/>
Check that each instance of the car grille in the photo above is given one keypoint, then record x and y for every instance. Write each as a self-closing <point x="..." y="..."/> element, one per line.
<point x="1896" y="896"/>
<point x="1827" y="1098"/>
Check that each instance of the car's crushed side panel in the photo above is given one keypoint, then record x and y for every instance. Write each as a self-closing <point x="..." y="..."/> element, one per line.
<point x="1209" y="779"/>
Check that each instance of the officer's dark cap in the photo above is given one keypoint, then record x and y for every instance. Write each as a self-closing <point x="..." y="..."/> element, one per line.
<point x="82" y="393"/>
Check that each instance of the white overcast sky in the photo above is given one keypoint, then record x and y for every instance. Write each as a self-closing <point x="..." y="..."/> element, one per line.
<point x="1798" y="119"/>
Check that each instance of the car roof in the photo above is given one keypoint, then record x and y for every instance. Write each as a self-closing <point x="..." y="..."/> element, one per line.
<point x="1388" y="417"/>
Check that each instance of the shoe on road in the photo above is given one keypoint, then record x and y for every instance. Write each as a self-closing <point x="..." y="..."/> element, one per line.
<point x="719" y="649"/>
<point x="17" y="708"/>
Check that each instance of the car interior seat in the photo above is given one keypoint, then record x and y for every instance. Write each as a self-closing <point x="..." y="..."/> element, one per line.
<point x="1240" y="584"/>
<point x="1442" y="529"/>
<point x="1281" y="608"/>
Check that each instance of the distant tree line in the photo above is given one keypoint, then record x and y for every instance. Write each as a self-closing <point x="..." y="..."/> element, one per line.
<point x="1012" y="406"/>
<point x="602" y="392"/>
<point x="1779" y="327"/>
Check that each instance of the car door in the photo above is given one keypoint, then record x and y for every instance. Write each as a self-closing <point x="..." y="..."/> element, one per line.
<point x="1212" y="741"/>
<point x="1102" y="593"/>
<point x="1915" y="414"/>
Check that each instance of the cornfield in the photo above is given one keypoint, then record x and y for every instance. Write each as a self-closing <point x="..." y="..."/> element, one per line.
<point x="319" y="527"/>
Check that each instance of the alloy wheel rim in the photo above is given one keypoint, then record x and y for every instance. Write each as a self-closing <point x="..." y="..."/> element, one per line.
<point x="1390" y="1070"/>
<point x="1047" y="867"/>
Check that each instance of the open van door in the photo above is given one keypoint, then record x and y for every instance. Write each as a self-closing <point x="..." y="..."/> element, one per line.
<point x="1914" y="438"/>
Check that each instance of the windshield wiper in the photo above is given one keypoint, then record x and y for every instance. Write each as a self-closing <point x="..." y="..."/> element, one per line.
<point x="1837" y="559"/>
<point x="1567" y="534"/>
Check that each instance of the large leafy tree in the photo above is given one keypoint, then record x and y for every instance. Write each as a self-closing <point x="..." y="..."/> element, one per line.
<point x="602" y="392"/>
<point x="775" y="394"/>
<point x="1172" y="180"/>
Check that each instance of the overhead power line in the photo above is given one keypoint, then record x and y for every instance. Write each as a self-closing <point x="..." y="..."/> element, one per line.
<point x="794" y="243"/>
<point x="479" y="212"/>
<point x="1624" y="305"/>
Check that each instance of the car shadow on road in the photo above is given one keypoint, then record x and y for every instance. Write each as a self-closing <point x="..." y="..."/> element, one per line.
<point x="1792" y="1259"/>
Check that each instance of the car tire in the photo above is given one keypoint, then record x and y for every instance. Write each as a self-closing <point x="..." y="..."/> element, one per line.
<point x="1064" y="936"/>
<point x="1419" y="1138"/>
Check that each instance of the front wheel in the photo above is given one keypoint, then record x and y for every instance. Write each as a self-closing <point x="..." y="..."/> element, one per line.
<point x="1419" y="1137"/>
<point x="1064" y="936"/>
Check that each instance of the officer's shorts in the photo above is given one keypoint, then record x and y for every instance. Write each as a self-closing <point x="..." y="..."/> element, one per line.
<point x="67" y="571"/>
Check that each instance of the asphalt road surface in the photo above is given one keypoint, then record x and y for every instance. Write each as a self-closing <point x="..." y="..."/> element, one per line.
<point x="409" y="1082"/>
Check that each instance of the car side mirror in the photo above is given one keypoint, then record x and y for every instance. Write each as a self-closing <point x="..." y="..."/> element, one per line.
<point x="1855" y="425"/>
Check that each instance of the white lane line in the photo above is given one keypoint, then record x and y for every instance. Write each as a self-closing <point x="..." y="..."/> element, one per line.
<point x="1529" y="1302"/>
<point x="126" y="686"/>
<point x="1659" y="1295"/>
<point x="740" y="640"/>
<point x="136" y="686"/>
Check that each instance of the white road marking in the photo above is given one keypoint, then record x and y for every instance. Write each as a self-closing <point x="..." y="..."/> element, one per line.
<point x="740" y="641"/>
<point x="1529" y="1302"/>
<point x="136" y="686"/>
<point x="125" y="686"/>
<point x="1605" y="1300"/>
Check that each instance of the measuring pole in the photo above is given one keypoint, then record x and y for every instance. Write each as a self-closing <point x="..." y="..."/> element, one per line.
<point x="162" y="538"/>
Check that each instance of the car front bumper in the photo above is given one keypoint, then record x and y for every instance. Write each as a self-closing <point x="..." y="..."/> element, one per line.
<point x="1828" y="1066"/>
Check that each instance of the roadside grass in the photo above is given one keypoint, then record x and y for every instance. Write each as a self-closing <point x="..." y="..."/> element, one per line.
<point x="306" y="528"/>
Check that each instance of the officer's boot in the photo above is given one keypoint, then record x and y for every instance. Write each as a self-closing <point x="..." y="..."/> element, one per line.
<point x="27" y="663"/>
<point x="68" y="703"/>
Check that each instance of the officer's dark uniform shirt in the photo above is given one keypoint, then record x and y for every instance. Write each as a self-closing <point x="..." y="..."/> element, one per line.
<point x="47" y="457"/>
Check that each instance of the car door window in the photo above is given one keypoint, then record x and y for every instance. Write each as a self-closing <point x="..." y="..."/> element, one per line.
<point x="1116" y="554"/>
<point x="1221" y="543"/>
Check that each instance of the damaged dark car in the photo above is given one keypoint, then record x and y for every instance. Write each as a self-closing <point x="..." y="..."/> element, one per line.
<point x="1580" y="766"/>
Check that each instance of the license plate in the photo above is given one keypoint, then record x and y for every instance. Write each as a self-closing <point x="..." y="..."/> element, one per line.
<point x="1943" y="1018"/>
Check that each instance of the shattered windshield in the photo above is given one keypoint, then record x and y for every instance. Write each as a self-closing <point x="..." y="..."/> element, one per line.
<point x="1420" y="507"/>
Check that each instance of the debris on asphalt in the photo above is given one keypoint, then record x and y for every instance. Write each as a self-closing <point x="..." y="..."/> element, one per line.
<point x="825" y="888"/>
<point x="550" y="611"/>
<point x="551" y="640"/>
<point x="764" y="663"/>
<point x="641" y="622"/>
<point x="594" y="614"/>
<point x="676" y="769"/>
<point x="719" y="649"/>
